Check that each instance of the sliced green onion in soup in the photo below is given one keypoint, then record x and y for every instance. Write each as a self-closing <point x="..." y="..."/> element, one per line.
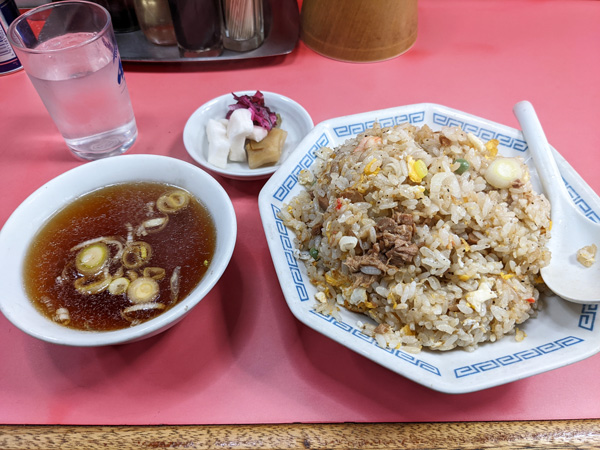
<point x="118" y="286"/>
<point x="173" y="202"/>
<point x="91" y="259"/>
<point x="94" y="285"/>
<point x="143" y="290"/>
<point x="136" y="254"/>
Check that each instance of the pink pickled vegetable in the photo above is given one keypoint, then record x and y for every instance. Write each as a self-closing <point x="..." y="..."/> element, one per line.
<point x="261" y="114"/>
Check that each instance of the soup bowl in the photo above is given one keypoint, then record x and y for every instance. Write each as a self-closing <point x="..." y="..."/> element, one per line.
<point x="25" y="222"/>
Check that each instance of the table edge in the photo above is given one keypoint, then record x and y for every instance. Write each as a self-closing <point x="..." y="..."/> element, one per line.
<point x="555" y="434"/>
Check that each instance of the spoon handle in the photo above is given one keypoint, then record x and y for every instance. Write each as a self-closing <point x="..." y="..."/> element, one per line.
<point x="541" y="151"/>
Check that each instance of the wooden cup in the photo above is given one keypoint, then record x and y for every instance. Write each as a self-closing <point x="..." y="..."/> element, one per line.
<point x="359" y="30"/>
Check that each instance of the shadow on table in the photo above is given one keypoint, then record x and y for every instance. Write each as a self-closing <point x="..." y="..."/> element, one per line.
<point x="387" y="396"/>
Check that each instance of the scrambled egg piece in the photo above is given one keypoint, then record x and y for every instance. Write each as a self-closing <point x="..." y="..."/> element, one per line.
<point x="481" y="295"/>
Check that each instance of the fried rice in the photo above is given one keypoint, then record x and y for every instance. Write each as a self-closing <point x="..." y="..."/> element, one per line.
<point x="400" y="224"/>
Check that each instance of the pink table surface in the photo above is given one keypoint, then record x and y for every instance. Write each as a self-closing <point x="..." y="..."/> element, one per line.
<point x="240" y="356"/>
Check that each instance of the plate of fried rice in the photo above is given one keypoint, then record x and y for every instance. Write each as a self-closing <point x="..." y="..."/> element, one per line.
<point x="415" y="237"/>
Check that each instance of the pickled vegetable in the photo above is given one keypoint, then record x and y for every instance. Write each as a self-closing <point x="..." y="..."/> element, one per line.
<point x="267" y="151"/>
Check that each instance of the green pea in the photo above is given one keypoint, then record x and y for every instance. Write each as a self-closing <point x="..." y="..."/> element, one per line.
<point x="314" y="253"/>
<point x="463" y="167"/>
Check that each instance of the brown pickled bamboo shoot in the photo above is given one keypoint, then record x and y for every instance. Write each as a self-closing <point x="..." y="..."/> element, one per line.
<point x="267" y="151"/>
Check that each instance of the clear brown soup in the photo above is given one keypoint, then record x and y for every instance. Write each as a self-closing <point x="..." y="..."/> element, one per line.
<point x="187" y="241"/>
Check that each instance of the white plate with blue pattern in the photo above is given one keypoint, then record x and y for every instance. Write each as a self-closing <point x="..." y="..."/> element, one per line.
<point x="562" y="334"/>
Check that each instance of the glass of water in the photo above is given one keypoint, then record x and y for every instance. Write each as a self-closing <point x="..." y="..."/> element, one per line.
<point x="68" y="50"/>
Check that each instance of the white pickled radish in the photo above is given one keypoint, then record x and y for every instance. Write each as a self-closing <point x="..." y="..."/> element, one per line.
<point x="258" y="133"/>
<point x="218" y="143"/>
<point x="240" y="126"/>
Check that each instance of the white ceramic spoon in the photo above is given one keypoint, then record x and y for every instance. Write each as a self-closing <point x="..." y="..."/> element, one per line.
<point x="571" y="230"/>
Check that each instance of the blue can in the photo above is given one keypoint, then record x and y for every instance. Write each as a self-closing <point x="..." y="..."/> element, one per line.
<point x="8" y="59"/>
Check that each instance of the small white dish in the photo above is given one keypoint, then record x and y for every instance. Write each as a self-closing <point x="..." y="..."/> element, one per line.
<point x="294" y="119"/>
<point x="25" y="222"/>
<point x="563" y="332"/>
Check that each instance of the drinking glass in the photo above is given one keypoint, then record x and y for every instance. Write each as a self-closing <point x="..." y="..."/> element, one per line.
<point x="68" y="50"/>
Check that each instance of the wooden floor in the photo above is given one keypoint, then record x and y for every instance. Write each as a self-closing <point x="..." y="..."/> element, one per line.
<point x="470" y="435"/>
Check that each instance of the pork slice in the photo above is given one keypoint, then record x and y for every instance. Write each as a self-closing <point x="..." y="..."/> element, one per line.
<point x="323" y="202"/>
<point x="402" y="232"/>
<point x="397" y="224"/>
<point x="316" y="229"/>
<point x="403" y="218"/>
<point x="386" y="224"/>
<point x="353" y="195"/>
<point x="382" y="328"/>
<point x="395" y="238"/>
<point x="403" y="252"/>
<point x="360" y="279"/>
<point x="354" y="263"/>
